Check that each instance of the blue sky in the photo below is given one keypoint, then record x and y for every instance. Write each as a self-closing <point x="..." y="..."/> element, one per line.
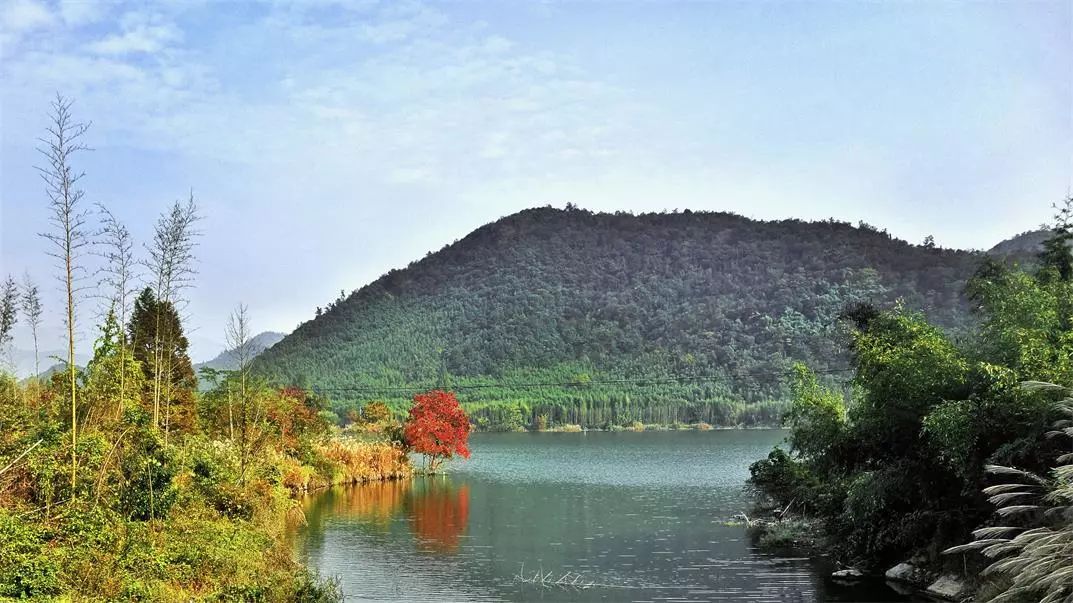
<point x="329" y="142"/>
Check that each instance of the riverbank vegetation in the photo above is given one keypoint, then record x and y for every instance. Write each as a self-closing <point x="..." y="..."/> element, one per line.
<point x="897" y="467"/>
<point x="119" y="480"/>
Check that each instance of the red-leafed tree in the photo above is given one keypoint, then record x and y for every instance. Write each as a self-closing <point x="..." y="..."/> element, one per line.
<point x="437" y="428"/>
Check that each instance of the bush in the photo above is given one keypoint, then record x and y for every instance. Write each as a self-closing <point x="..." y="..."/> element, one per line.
<point x="784" y="479"/>
<point x="148" y="469"/>
<point x="26" y="570"/>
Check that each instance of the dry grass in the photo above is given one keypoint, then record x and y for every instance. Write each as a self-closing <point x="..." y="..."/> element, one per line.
<point x="359" y="462"/>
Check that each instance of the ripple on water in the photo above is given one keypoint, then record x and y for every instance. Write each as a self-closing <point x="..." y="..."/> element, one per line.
<point x="639" y="516"/>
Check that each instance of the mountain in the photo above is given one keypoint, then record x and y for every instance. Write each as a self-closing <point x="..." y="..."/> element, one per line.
<point x="59" y="367"/>
<point x="598" y="318"/>
<point x="1023" y="246"/>
<point x="22" y="361"/>
<point x="225" y="360"/>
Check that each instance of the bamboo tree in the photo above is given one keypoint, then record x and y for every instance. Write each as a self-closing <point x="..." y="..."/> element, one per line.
<point x="241" y="351"/>
<point x="119" y="273"/>
<point x="171" y="261"/>
<point x="69" y="236"/>
<point x="32" y="311"/>
<point x="9" y="308"/>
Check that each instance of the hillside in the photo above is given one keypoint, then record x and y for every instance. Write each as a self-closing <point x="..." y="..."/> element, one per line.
<point x="22" y="361"/>
<point x="1023" y="246"/>
<point x="560" y="312"/>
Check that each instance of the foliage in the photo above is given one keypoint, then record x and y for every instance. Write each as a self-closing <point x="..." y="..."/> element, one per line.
<point x="437" y="428"/>
<point x="376" y="412"/>
<point x="668" y="318"/>
<point x="159" y="345"/>
<point x="9" y="308"/>
<point x="817" y="415"/>
<point x="1033" y="547"/>
<point x="898" y="470"/>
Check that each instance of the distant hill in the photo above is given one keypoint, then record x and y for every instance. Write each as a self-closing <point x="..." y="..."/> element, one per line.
<point x="562" y="312"/>
<point x="23" y="360"/>
<point x="58" y="367"/>
<point x="225" y="360"/>
<point x="1024" y="245"/>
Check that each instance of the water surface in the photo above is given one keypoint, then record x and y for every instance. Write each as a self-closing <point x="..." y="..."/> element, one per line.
<point x="619" y="516"/>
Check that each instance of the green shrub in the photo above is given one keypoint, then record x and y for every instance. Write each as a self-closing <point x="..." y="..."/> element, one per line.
<point x="785" y="480"/>
<point x="148" y="470"/>
<point x="25" y="568"/>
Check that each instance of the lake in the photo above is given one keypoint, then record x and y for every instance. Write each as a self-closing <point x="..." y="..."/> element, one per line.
<point x="630" y="516"/>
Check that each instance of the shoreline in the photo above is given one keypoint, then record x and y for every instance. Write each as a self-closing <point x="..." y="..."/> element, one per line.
<point x="646" y="428"/>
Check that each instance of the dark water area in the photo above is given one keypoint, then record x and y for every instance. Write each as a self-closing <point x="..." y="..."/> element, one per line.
<point x="634" y="516"/>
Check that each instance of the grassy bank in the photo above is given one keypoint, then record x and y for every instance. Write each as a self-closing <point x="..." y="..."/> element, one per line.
<point x="166" y="517"/>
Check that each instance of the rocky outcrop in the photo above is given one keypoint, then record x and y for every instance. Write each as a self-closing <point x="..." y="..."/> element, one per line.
<point x="949" y="587"/>
<point x="908" y="573"/>
<point x="848" y="574"/>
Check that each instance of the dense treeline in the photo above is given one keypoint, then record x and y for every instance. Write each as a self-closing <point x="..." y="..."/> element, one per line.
<point x="899" y="467"/>
<point x="578" y="298"/>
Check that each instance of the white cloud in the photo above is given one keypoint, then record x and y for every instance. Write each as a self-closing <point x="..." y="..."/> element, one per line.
<point x="77" y="13"/>
<point x="19" y="18"/>
<point x="141" y="34"/>
<point x="24" y="15"/>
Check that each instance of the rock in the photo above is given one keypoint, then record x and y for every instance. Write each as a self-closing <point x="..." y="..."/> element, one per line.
<point x="906" y="572"/>
<point x="848" y="573"/>
<point x="948" y="586"/>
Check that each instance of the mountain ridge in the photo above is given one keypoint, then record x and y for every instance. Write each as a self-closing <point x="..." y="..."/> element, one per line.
<point x="578" y="296"/>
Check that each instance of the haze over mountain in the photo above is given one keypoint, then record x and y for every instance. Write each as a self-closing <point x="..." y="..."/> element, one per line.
<point x="577" y="301"/>
<point x="1024" y="245"/>
<point x="22" y="361"/>
<point x="226" y="361"/>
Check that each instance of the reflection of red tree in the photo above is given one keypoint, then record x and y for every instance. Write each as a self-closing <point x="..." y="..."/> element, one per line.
<point x="439" y="514"/>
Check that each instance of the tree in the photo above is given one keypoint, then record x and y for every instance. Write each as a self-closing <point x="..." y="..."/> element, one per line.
<point x="113" y="376"/>
<point x="158" y="343"/>
<point x="32" y="311"/>
<point x="1056" y="253"/>
<point x="251" y="409"/>
<point x="239" y="345"/>
<point x="9" y="308"/>
<point x="817" y="415"/>
<point x="118" y="274"/>
<point x="171" y="261"/>
<point x="69" y="236"/>
<point x="375" y="412"/>
<point x="437" y="428"/>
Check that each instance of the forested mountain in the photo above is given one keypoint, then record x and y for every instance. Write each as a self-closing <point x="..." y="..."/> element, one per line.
<point x="1026" y="244"/>
<point x="560" y="313"/>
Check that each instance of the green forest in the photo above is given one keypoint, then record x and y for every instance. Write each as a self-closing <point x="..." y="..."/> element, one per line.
<point x="951" y="454"/>
<point x="573" y="317"/>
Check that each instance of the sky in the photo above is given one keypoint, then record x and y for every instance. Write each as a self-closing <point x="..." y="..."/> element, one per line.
<point x="327" y="142"/>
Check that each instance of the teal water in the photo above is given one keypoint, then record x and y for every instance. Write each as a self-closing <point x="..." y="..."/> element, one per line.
<point x="638" y="516"/>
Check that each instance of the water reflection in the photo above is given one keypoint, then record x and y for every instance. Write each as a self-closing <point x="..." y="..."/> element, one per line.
<point x="439" y="512"/>
<point x="436" y="510"/>
<point x="641" y="516"/>
<point x="376" y="503"/>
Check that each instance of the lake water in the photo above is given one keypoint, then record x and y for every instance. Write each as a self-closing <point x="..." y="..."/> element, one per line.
<point x="633" y="516"/>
